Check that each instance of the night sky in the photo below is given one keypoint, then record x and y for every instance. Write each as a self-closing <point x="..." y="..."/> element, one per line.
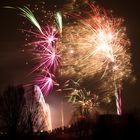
<point x="13" y="62"/>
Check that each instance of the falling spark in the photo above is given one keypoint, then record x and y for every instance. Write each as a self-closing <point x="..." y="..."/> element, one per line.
<point x="27" y="13"/>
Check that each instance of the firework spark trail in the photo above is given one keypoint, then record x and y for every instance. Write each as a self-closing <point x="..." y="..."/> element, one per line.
<point x="118" y="98"/>
<point x="59" y="21"/>
<point x="27" y="13"/>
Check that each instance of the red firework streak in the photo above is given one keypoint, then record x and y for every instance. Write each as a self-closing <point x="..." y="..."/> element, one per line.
<point x="119" y="100"/>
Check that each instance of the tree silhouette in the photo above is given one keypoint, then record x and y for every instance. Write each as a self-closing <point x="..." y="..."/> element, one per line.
<point x="12" y="101"/>
<point x="22" y="111"/>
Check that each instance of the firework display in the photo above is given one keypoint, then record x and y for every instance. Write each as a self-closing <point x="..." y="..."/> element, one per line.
<point x="96" y="43"/>
<point x="83" y="100"/>
<point x="91" y="42"/>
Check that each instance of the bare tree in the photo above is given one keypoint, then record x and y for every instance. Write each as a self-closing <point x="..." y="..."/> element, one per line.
<point x="12" y="101"/>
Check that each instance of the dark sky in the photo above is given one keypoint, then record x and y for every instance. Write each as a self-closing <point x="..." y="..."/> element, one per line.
<point x="13" y="67"/>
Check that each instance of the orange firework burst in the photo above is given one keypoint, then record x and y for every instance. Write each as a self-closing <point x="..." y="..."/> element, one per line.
<point x="96" y="42"/>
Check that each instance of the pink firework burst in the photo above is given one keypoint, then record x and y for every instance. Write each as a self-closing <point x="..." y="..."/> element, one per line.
<point x="46" y="83"/>
<point x="48" y="59"/>
<point x="45" y="39"/>
<point x="46" y="54"/>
